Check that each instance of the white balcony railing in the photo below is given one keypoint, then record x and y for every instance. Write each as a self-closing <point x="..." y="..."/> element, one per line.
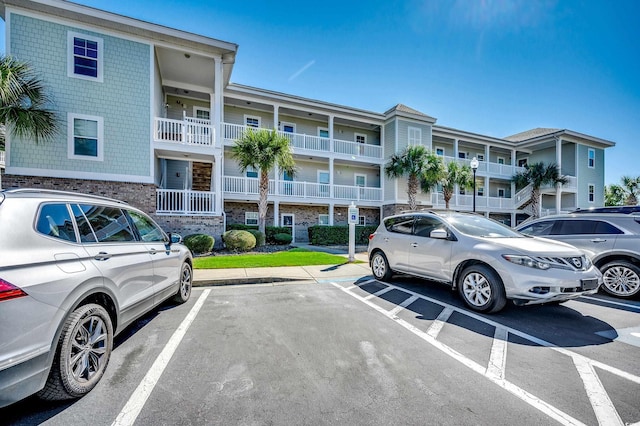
<point x="2" y="158"/>
<point x="185" y="202"/>
<point x="486" y="168"/>
<point x="357" y="149"/>
<point x="243" y="185"/>
<point x="307" y="142"/>
<point x="190" y="131"/>
<point x="464" y="202"/>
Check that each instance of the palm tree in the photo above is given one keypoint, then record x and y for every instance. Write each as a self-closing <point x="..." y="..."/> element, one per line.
<point x="22" y="103"/>
<point x="631" y="189"/>
<point x="455" y="174"/>
<point x="537" y="175"/>
<point x="418" y="164"/>
<point x="263" y="150"/>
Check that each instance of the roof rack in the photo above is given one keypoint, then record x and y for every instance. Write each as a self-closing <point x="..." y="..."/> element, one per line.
<point x="58" y="192"/>
<point x="610" y="209"/>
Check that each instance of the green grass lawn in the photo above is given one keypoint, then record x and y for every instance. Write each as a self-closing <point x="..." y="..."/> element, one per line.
<point x="293" y="257"/>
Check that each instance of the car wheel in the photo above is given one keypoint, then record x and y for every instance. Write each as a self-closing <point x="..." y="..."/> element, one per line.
<point x="481" y="289"/>
<point x="380" y="267"/>
<point x="82" y="354"/>
<point x="186" y="280"/>
<point x="621" y="278"/>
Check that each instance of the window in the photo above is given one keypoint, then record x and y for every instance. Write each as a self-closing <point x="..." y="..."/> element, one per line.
<point x="539" y="228"/>
<point x="481" y="191"/>
<point x="85" y="137"/>
<point x="480" y="157"/>
<point x="360" y="180"/>
<point x="323" y="132"/>
<point x="424" y="226"/>
<point x="252" y="121"/>
<point x="323" y="219"/>
<point x="401" y="224"/>
<point x="362" y="220"/>
<point x="415" y="136"/>
<point x="149" y="231"/>
<point x="55" y="221"/>
<point x="251" y="172"/>
<point x="84" y="56"/>
<point x="583" y="227"/>
<point x="500" y="160"/>
<point x="463" y="155"/>
<point x="201" y="113"/>
<point x="109" y="224"/>
<point x="360" y="138"/>
<point x="522" y="162"/>
<point x="251" y="218"/>
<point x="440" y="151"/>
<point x="500" y="192"/>
<point x="591" y="162"/>
<point x="592" y="192"/>
<point x="288" y="127"/>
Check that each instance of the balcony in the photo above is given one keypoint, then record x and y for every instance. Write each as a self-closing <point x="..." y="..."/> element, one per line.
<point x="190" y="131"/>
<point x="465" y="202"/>
<point x="302" y="190"/>
<point x="309" y="143"/>
<point x="504" y="171"/>
<point x="184" y="202"/>
<point x="2" y="158"/>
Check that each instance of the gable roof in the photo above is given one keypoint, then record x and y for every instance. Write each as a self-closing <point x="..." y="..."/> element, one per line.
<point x="405" y="110"/>
<point x="533" y="133"/>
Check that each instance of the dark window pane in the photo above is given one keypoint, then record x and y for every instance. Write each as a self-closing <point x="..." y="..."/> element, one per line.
<point x="85" y="146"/>
<point x="424" y="225"/>
<point x="54" y="220"/>
<point x="109" y="224"/>
<point x="92" y="45"/>
<point x="540" y="228"/>
<point x="607" y="228"/>
<point x="402" y="224"/>
<point x="86" y="233"/>
<point x="78" y="50"/>
<point x="575" y="227"/>
<point x="79" y="42"/>
<point x="148" y="230"/>
<point x="92" y="53"/>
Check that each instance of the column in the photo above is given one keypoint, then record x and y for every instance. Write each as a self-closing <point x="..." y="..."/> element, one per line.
<point x="331" y="213"/>
<point x="559" y="163"/>
<point x="217" y="106"/>
<point x="276" y="117"/>
<point x="487" y="157"/>
<point x="276" y="213"/>
<point x="455" y="149"/>
<point x="331" y="147"/>
<point x="331" y="196"/>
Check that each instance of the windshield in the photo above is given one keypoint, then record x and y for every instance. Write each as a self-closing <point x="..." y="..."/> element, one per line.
<point x="479" y="226"/>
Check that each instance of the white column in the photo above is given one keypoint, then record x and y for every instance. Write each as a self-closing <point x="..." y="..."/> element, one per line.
<point x="331" y="178"/>
<point x="559" y="163"/>
<point x="276" y="180"/>
<point x="331" y="213"/>
<point x="276" y="213"/>
<point x="513" y="220"/>
<point x="216" y="100"/>
<point x="455" y="149"/>
<point x="486" y="192"/>
<point x="276" y="116"/>
<point x="513" y="158"/>
<point x="331" y="148"/>
<point x="486" y="156"/>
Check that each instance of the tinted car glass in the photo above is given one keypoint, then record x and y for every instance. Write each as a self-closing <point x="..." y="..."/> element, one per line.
<point x="109" y="224"/>
<point x="148" y="230"/>
<point x="86" y="233"/>
<point x="583" y="227"/>
<point x="424" y="225"/>
<point x="540" y="228"/>
<point x="400" y="224"/>
<point x="54" y="220"/>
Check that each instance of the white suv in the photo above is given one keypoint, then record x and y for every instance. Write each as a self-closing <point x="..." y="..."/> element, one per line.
<point x="486" y="261"/>
<point x="75" y="270"/>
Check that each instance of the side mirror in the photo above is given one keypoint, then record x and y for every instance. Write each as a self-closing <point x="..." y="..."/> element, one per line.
<point x="175" y="238"/>
<point x="440" y="234"/>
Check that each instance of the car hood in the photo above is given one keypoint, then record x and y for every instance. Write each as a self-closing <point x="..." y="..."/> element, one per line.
<point x="536" y="246"/>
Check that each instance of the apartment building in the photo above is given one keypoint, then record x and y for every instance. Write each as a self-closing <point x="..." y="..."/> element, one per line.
<point x="148" y="115"/>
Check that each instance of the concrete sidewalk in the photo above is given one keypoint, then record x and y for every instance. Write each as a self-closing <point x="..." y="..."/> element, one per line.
<point x="316" y="273"/>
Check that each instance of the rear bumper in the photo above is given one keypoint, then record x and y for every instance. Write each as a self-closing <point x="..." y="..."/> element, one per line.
<point x="24" y="379"/>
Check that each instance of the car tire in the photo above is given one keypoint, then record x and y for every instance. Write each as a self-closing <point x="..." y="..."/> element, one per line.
<point x="82" y="354"/>
<point x="186" y="282"/>
<point x="380" y="267"/>
<point x="621" y="278"/>
<point x="481" y="289"/>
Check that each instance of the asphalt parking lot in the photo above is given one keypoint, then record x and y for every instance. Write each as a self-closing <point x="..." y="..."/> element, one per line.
<point x="351" y="350"/>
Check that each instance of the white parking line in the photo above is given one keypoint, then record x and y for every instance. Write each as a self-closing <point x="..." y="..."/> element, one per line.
<point x="610" y="302"/>
<point x="133" y="407"/>
<point x="603" y="408"/>
<point x="403" y="305"/>
<point x="379" y="293"/>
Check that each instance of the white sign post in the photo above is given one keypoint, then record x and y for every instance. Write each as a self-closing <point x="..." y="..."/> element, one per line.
<point x="353" y="220"/>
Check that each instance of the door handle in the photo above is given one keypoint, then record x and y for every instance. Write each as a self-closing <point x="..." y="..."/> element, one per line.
<point x="153" y="251"/>
<point x="598" y="240"/>
<point x="386" y="240"/>
<point x="102" y="256"/>
<point x="414" y="245"/>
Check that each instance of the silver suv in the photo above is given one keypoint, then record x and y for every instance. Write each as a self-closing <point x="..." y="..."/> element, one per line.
<point x="486" y="261"/>
<point x="612" y="241"/>
<point x="74" y="271"/>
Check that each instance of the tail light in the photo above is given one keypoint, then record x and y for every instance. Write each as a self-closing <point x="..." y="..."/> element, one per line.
<point x="371" y="236"/>
<point x="9" y="291"/>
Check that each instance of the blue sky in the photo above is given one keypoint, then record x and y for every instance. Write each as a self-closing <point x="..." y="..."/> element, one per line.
<point x="494" y="67"/>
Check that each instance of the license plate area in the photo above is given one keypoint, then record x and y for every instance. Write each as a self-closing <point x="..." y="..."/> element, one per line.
<point x="589" y="284"/>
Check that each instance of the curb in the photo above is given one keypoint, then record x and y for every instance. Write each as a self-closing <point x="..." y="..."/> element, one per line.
<point x="247" y="281"/>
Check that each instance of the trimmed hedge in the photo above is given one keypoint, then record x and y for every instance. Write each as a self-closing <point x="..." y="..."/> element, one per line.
<point x="260" y="240"/>
<point x="323" y="235"/>
<point x="282" y="238"/>
<point x="239" y="240"/>
<point x="199" y="243"/>
<point x="270" y="231"/>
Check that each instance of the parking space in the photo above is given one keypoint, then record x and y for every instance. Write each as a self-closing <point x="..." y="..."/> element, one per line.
<point x="358" y="351"/>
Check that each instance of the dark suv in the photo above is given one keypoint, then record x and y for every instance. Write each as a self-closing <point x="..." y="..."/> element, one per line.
<point x="612" y="240"/>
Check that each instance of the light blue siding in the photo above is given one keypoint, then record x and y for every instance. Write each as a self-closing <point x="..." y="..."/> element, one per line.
<point x="588" y="176"/>
<point x="122" y="100"/>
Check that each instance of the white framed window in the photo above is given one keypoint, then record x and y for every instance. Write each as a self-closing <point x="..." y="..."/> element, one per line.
<point x="251" y="172"/>
<point x="201" y="113"/>
<point x="84" y="56"/>
<point x="287" y="127"/>
<point x="523" y="162"/>
<point x="360" y="137"/>
<point x="250" y="218"/>
<point x="415" y="135"/>
<point x="323" y="132"/>
<point x="463" y="155"/>
<point x="323" y="219"/>
<point x="323" y="177"/>
<point x="362" y="220"/>
<point x="480" y="157"/>
<point x="360" y="180"/>
<point x="591" y="154"/>
<point x="440" y="151"/>
<point x="481" y="191"/>
<point x="592" y="193"/>
<point x="85" y="137"/>
<point x="501" y="160"/>
<point x="252" y="121"/>
<point x="501" y="192"/>
<point x="462" y="191"/>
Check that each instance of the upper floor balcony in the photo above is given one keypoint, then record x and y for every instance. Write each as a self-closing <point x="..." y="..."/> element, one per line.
<point x="465" y="202"/>
<point x="188" y="131"/>
<point x="2" y="158"/>
<point x="485" y="168"/>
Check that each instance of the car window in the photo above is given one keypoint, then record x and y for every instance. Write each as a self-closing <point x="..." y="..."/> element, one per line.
<point x="109" y="224"/>
<point x="479" y="226"/>
<point x="55" y="221"/>
<point x="424" y="225"/>
<point x="539" y="228"/>
<point x="399" y="224"/>
<point x="86" y="233"/>
<point x="607" y="228"/>
<point x="148" y="230"/>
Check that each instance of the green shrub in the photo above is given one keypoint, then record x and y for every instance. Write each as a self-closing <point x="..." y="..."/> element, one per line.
<point x="260" y="239"/>
<point x="239" y="240"/>
<point x="271" y="231"/>
<point x="240" y="227"/>
<point x="199" y="243"/>
<point x="282" y="238"/>
<point x="339" y="234"/>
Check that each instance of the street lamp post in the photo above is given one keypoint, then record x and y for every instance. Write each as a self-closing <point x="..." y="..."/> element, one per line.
<point x="474" y="167"/>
